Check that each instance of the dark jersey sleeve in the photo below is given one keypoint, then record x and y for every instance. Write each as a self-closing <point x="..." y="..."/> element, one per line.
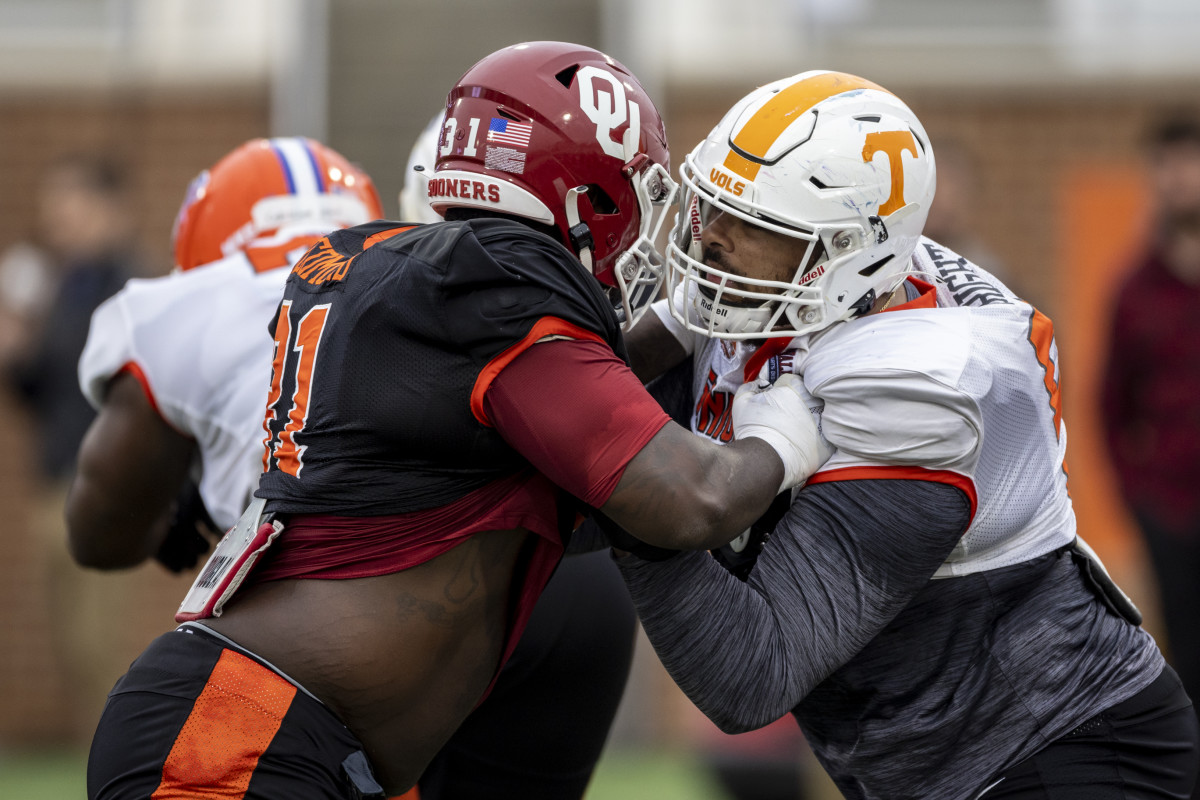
<point x="841" y="564"/>
<point x="576" y="412"/>
<point x="394" y="333"/>
<point x="499" y="282"/>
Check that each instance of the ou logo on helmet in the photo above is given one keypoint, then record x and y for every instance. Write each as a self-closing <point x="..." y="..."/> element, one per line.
<point x="609" y="110"/>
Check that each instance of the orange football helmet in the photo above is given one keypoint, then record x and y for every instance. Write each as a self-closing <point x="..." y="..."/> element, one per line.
<point x="269" y="198"/>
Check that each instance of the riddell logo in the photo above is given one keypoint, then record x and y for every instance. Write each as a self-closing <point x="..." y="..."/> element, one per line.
<point x="464" y="189"/>
<point x="812" y="276"/>
<point x="712" y="308"/>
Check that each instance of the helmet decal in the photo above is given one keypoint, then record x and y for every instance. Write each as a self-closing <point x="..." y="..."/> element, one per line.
<point x="506" y="131"/>
<point x="727" y="181"/>
<point x="892" y="144"/>
<point x="609" y="111"/>
<point x="752" y="146"/>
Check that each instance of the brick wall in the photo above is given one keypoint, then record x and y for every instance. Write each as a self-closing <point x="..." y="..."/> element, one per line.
<point x="165" y="141"/>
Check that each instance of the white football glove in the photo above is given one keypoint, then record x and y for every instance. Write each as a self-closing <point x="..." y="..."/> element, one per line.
<point x="788" y="418"/>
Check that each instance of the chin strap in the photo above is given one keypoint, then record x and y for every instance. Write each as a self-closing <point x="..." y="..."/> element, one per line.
<point x="863" y="304"/>
<point x="577" y="230"/>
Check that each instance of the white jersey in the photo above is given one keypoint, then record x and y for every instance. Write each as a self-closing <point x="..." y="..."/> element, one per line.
<point x="198" y="343"/>
<point x="959" y="385"/>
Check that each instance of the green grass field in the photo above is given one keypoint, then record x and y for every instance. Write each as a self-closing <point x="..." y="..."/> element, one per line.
<point x="620" y="776"/>
<point x="42" y="775"/>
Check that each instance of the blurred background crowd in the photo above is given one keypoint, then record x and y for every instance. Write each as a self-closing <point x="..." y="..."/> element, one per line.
<point x="1067" y="136"/>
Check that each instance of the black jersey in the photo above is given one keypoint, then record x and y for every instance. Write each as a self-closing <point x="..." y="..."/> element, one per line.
<point x="381" y="340"/>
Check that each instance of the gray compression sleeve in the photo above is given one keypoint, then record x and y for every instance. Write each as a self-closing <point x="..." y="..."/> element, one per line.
<point x="845" y="559"/>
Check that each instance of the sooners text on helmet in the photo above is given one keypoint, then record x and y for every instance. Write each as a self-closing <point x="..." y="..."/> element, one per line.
<point x="464" y="189"/>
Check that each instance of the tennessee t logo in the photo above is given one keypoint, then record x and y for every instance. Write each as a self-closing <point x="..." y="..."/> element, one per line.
<point x="892" y="144"/>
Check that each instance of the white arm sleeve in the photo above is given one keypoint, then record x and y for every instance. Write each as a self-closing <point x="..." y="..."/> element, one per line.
<point x="662" y="309"/>
<point x="893" y="396"/>
<point x="200" y="344"/>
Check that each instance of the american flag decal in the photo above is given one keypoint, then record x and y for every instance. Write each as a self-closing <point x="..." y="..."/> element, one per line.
<point x="503" y="131"/>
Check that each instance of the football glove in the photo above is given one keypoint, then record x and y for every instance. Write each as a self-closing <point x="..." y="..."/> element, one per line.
<point x="787" y="417"/>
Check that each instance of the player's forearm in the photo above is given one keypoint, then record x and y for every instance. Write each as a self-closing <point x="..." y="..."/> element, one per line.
<point x="104" y="533"/>
<point x="717" y="637"/>
<point x="131" y="465"/>
<point x="685" y="493"/>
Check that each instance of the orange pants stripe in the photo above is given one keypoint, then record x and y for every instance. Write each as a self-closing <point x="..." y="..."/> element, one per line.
<point x="232" y="722"/>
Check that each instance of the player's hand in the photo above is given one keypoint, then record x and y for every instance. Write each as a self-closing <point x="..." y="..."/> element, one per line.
<point x="740" y="555"/>
<point x="787" y="417"/>
<point x="188" y="532"/>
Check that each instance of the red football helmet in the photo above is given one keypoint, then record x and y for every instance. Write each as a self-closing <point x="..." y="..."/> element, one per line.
<point x="566" y="136"/>
<point x="270" y="197"/>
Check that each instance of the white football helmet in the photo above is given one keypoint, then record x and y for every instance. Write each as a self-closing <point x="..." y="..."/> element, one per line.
<point x="825" y="157"/>
<point x="414" y="197"/>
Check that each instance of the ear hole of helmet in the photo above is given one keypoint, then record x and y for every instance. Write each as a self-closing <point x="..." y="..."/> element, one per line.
<point x="566" y="76"/>
<point x="601" y="202"/>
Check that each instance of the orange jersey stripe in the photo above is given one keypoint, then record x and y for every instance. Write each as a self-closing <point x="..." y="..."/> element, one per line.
<point x="134" y="369"/>
<point x="1041" y="336"/>
<point x="232" y="722"/>
<point x="375" y="239"/>
<point x="546" y="326"/>
<point x="926" y="299"/>
<point x="901" y="473"/>
<point x="769" y="122"/>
